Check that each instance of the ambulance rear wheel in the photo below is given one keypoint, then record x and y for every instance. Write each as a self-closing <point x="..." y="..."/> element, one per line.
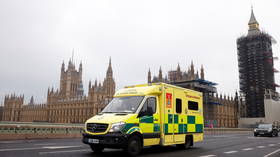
<point x="187" y="144"/>
<point x="134" y="146"/>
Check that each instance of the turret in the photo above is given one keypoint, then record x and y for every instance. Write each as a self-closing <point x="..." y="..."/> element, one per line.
<point x="80" y="67"/>
<point x="178" y="68"/>
<point x="95" y="83"/>
<point x="160" y="75"/>
<point x="149" y="76"/>
<point x="192" y="69"/>
<point x="202" y="72"/>
<point x="89" y="84"/>
<point x="31" y="102"/>
<point x="109" y="70"/>
<point x="63" y="67"/>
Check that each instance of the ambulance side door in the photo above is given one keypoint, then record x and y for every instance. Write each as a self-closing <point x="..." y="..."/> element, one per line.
<point x="168" y="128"/>
<point x="149" y="121"/>
<point x="179" y="124"/>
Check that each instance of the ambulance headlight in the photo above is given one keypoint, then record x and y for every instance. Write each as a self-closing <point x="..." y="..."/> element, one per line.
<point x="116" y="127"/>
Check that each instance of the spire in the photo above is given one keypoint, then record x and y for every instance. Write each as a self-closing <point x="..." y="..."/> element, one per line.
<point x="81" y="67"/>
<point x="109" y="70"/>
<point x="252" y="18"/>
<point x="70" y="64"/>
<point x="89" y="84"/>
<point x="149" y="76"/>
<point x="95" y="83"/>
<point x="31" y="101"/>
<point x="160" y="75"/>
<point x="192" y="68"/>
<point x="63" y="66"/>
<point x="253" y="24"/>
<point x="178" y="67"/>
<point x="202" y="73"/>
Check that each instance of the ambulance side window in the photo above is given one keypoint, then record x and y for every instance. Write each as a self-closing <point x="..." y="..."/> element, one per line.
<point x="149" y="107"/>
<point x="178" y="105"/>
<point x="192" y="105"/>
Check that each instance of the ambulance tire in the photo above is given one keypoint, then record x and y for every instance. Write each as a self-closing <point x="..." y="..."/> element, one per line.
<point x="96" y="148"/>
<point x="187" y="144"/>
<point x="134" y="146"/>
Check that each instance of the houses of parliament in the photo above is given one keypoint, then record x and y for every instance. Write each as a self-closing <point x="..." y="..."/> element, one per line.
<point x="68" y="104"/>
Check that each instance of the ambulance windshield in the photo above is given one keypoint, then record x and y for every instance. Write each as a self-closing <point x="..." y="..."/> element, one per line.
<point x="123" y="105"/>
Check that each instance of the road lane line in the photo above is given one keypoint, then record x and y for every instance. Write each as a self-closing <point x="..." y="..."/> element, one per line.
<point x="261" y="146"/>
<point x="50" y="147"/>
<point x="17" y="149"/>
<point x="8" y="142"/>
<point x="271" y="145"/>
<point x="276" y="151"/>
<point x="208" y="156"/>
<point x="64" y="151"/>
<point x="231" y="152"/>
<point x="61" y="147"/>
<point x="44" y="144"/>
<point x="248" y="149"/>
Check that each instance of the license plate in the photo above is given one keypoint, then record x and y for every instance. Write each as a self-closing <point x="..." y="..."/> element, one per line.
<point x="93" y="141"/>
<point x="261" y="133"/>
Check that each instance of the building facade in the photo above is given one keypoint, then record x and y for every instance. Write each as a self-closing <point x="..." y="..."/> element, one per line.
<point x="219" y="110"/>
<point x="256" y="68"/>
<point x="1" y="112"/>
<point x="67" y="104"/>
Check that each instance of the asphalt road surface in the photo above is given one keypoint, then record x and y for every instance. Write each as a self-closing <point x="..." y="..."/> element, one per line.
<point x="230" y="145"/>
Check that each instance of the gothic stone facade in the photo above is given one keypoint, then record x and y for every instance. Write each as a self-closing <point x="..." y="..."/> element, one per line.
<point x="223" y="113"/>
<point x="68" y="104"/>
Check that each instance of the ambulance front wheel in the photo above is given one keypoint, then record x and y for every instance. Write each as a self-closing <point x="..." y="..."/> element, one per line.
<point x="187" y="144"/>
<point x="134" y="146"/>
<point x="96" y="148"/>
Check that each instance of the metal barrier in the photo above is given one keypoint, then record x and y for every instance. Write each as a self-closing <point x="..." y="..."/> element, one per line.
<point x="39" y="130"/>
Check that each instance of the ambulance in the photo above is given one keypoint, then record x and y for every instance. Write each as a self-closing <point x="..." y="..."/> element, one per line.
<point x="147" y="115"/>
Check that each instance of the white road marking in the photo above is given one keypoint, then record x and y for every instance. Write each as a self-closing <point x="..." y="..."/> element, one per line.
<point x="208" y="156"/>
<point x="16" y="149"/>
<point x="65" y="151"/>
<point x="51" y="147"/>
<point x="256" y="137"/>
<point x="271" y="145"/>
<point x="230" y="152"/>
<point x="261" y="146"/>
<point x="44" y="144"/>
<point x="61" y="147"/>
<point x="248" y="149"/>
<point x="7" y="142"/>
<point x="276" y="151"/>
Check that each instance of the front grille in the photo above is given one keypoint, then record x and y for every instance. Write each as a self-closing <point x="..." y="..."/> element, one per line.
<point x="96" y="127"/>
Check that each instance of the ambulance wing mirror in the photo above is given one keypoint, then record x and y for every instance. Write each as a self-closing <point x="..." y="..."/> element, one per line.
<point x="141" y="113"/>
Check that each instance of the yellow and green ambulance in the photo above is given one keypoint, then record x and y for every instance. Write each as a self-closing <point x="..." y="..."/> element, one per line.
<point x="147" y="115"/>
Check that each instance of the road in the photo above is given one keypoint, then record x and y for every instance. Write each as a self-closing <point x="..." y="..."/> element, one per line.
<point x="228" y="145"/>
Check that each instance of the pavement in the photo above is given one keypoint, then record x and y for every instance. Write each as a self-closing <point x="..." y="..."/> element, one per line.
<point x="227" y="145"/>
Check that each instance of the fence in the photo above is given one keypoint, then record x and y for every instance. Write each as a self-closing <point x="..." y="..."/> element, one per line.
<point x="47" y="130"/>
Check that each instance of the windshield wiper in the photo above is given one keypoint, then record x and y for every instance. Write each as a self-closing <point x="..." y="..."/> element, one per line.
<point x="107" y="112"/>
<point x="126" y="112"/>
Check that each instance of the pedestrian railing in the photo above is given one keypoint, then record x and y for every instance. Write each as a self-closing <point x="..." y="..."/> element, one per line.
<point x="39" y="130"/>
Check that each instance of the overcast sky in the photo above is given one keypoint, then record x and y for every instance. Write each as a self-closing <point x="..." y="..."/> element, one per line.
<point x="37" y="35"/>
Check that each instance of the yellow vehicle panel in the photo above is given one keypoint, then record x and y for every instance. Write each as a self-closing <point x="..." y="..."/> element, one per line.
<point x="179" y="112"/>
